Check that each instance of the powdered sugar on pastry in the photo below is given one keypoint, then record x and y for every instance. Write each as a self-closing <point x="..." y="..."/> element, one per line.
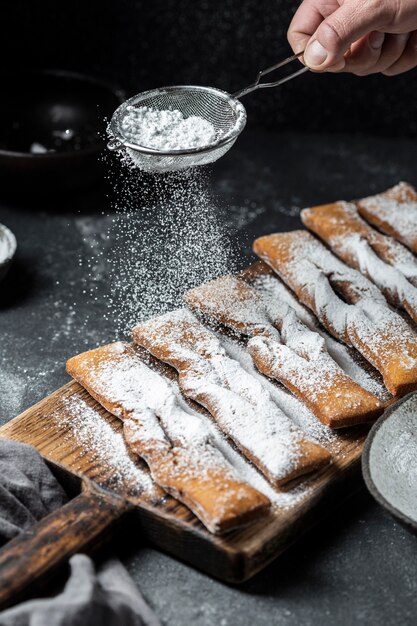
<point x="174" y="441"/>
<point x="394" y="212"/>
<point x="356" y="243"/>
<point x="273" y="288"/>
<point x="107" y="447"/>
<point x="359" y="316"/>
<point x="296" y="355"/>
<point x="236" y="400"/>
<point x="287" y="402"/>
<point x="232" y="302"/>
<point x="401" y="258"/>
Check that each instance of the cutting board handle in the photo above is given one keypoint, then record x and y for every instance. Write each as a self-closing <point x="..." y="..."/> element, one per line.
<point x="33" y="555"/>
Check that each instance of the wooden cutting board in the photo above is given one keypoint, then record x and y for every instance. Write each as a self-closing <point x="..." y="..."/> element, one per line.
<point x="113" y="486"/>
<point x="170" y="525"/>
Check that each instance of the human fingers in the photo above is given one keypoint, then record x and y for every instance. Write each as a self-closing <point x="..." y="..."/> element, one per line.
<point x="346" y="25"/>
<point x="365" y="53"/>
<point x="408" y="59"/>
<point x="367" y="59"/>
<point x="306" y="20"/>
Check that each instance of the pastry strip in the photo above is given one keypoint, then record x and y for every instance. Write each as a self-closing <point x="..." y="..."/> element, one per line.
<point x="346" y="303"/>
<point x="171" y="438"/>
<point x="394" y="212"/>
<point x="266" y="281"/>
<point x="238" y="403"/>
<point x="283" y="348"/>
<point x="365" y="249"/>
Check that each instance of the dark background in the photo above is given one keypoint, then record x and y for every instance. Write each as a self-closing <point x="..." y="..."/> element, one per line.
<point x="223" y="43"/>
<point x="316" y="139"/>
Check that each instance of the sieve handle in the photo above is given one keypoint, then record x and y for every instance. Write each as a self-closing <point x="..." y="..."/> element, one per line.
<point x="257" y="84"/>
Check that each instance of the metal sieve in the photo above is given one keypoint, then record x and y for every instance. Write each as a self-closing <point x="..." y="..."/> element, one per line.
<point x="224" y="111"/>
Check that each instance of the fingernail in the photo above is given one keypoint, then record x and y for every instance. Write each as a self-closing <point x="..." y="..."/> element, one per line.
<point x="315" y="55"/>
<point x="376" y="39"/>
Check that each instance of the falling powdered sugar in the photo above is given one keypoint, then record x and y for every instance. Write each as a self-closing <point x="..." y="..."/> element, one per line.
<point x="165" y="238"/>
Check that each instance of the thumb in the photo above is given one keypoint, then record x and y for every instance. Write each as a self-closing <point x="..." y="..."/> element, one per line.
<point x="343" y="27"/>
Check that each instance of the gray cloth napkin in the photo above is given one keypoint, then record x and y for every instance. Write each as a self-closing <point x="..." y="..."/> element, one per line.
<point x="28" y="489"/>
<point x="105" y="596"/>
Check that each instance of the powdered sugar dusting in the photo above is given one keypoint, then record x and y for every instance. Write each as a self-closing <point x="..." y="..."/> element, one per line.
<point x="272" y="287"/>
<point x="364" y="321"/>
<point x="319" y="271"/>
<point x="144" y="395"/>
<point x="288" y="403"/>
<point x="230" y="300"/>
<point x="395" y="211"/>
<point x="167" y="129"/>
<point x="295" y="355"/>
<point x="393" y="283"/>
<point x="138" y="276"/>
<point x="142" y="391"/>
<point x="237" y="400"/>
<point x="401" y="258"/>
<point x="361" y="247"/>
<point x="90" y="429"/>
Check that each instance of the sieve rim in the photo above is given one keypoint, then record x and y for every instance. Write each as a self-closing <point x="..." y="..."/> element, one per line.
<point x="235" y="104"/>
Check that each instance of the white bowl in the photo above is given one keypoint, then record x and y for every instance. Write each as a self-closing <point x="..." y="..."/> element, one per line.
<point x="7" y="249"/>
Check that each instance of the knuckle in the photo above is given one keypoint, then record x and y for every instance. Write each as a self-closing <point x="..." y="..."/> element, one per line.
<point x="297" y="39"/>
<point x="382" y="9"/>
<point x="393" y="10"/>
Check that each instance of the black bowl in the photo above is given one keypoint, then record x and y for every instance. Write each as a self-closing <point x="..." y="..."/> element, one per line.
<point x="52" y="127"/>
<point x="389" y="462"/>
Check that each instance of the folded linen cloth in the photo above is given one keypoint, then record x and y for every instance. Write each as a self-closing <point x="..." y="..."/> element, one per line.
<point x="28" y="489"/>
<point x="104" y="596"/>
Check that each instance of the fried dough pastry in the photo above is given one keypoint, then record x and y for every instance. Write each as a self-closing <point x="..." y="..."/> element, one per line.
<point x="237" y="401"/>
<point x="394" y="212"/>
<point x="377" y="256"/>
<point x="285" y="349"/>
<point x="169" y="436"/>
<point x="346" y="303"/>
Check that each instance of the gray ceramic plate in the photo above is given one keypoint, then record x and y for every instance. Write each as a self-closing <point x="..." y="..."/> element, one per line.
<point x="7" y="249"/>
<point x="389" y="461"/>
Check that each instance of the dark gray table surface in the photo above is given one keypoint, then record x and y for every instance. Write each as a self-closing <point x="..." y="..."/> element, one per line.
<point x="358" y="567"/>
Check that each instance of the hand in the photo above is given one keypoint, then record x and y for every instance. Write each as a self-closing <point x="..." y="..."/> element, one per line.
<point x="358" y="36"/>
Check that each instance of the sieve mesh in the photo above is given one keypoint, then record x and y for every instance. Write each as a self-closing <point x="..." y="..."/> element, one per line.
<point x="225" y="113"/>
